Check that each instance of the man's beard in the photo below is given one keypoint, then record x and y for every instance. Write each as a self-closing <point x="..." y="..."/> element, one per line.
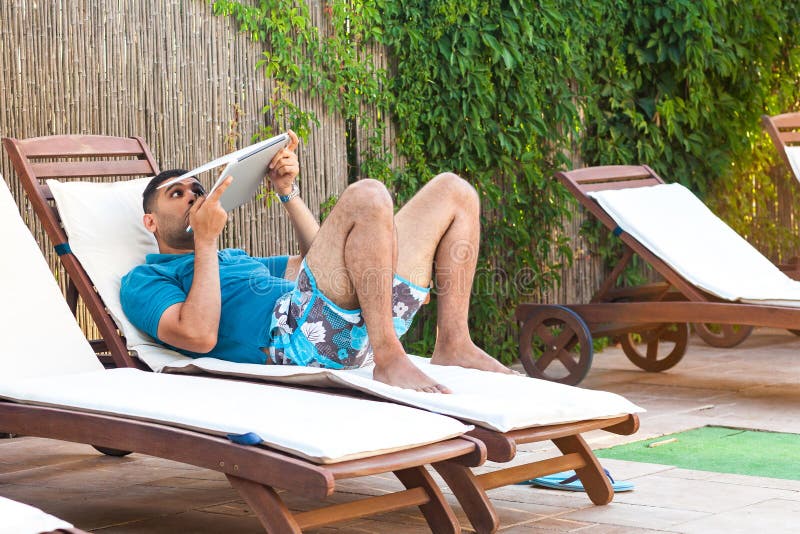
<point x="177" y="237"/>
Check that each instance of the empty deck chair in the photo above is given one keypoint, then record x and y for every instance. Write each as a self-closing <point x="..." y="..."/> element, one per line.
<point x="711" y="275"/>
<point x="106" y="239"/>
<point x="53" y="386"/>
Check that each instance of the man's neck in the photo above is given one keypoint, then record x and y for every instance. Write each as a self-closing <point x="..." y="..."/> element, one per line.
<point x="163" y="248"/>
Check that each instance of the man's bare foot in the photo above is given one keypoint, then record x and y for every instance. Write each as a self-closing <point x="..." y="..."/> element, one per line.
<point x="399" y="371"/>
<point x="467" y="354"/>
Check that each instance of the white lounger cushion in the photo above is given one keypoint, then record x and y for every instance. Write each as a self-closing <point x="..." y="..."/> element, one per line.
<point x="103" y="222"/>
<point x="19" y="518"/>
<point x="488" y="399"/>
<point x="793" y="154"/>
<point x="677" y="227"/>
<point x="320" y="427"/>
<point x="492" y="400"/>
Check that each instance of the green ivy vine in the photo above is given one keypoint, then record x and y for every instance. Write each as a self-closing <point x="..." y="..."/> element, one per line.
<point x="503" y="92"/>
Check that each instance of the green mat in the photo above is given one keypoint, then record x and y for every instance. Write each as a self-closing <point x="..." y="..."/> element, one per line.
<point x="719" y="449"/>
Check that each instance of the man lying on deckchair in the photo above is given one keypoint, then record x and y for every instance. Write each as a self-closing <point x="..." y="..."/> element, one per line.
<point x="365" y="270"/>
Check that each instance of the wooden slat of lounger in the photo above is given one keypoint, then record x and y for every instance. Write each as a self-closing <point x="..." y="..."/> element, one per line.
<point x="472" y="453"/>
<point x="790" y="138"/>
<point x="636" y="313"/>
<point x="518" y="473"/>
<point x="618" y="184"/>
<point x="786" y="120"/>
<point x="84" y="169"/>
<point x="609" y="173"/>
<point x="80" y="145"/>
<point x="364" y="508"/>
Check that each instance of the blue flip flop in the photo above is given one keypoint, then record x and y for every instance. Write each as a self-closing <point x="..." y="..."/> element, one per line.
<point x="569" y="481"/>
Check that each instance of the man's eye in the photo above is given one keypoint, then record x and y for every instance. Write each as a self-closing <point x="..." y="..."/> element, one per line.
<point x="176" y="194"/>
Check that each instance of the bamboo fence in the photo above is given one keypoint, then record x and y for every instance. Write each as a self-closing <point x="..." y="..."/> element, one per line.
<point x="166" y="70"/>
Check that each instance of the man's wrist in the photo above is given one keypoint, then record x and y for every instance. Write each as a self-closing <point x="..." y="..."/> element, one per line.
<point x="207" y="244"/>
<point x="285" y="197"/>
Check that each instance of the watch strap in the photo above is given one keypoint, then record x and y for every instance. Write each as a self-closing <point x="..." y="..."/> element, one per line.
<point x="295" y="192"/>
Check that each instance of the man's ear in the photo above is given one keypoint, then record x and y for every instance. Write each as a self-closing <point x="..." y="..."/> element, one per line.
<point x="149" y="221"/>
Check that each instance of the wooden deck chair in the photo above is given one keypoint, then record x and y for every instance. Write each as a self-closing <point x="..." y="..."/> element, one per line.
<point x="501" y="437"/>
<point x="53" y="386"/>
<point x="710" y="273"/>
<point x="21" y="518"/>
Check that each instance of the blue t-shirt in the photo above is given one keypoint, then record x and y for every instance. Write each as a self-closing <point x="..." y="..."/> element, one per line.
<point x="250" y="287"/>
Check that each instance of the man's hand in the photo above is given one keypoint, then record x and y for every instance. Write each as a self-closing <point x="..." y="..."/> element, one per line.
<point x="207" y="217"/>
<point x="284" y="167"/>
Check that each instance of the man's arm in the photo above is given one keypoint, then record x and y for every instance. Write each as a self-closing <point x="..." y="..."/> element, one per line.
<point x="304" y="223"/>
<point x="282" y="172"/>
<point x="193" y="324"/>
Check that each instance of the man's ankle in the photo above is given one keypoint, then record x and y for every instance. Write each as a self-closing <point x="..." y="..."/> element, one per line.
<point x="387" y="352"/>
<point x="454" y="339"/>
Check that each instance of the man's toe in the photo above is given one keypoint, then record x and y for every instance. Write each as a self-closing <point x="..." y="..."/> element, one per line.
<point x="442" y="389"/>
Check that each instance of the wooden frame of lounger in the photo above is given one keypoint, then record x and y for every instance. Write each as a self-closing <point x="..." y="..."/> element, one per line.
<point x="617" y="311"/>
<point x="469" y="489"/>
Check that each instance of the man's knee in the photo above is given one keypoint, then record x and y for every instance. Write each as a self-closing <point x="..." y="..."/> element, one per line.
<point x="368" y="194"/>
<point x="456" y="188"/>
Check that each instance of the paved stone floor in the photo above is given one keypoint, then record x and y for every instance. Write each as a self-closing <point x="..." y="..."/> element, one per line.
<point x="755" y="385"/>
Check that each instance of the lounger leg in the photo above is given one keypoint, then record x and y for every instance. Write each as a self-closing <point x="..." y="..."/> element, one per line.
<point x="437" y="512"/>
<point x="267" y="505"/>
<point x="594" y="480"/>
<point x="471" y="495"/>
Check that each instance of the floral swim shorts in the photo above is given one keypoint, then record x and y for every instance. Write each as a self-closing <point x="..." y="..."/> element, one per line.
<point x="308" y="329"/>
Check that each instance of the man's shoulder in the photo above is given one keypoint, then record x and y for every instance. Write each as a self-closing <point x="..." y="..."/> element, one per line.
<point x="235" y="252"/>
<point x="157" y="266"/>
<point x="237" y="255"/>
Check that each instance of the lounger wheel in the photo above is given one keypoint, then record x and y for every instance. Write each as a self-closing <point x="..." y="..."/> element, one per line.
<point x="723" y="336"/>
<point x="663" y="345"/>
<point x="108" y="451"/>
<point x="555" y="344"/>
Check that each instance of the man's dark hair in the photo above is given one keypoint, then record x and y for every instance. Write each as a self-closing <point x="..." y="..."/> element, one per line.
<point x="149" y="195"/>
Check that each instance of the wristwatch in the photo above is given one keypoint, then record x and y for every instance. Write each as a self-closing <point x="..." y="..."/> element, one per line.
<point x="295" y="192"/>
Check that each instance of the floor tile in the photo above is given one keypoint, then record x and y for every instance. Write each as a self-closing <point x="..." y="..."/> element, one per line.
<point x="773" y="516"/>
<point x="632" y="515"/>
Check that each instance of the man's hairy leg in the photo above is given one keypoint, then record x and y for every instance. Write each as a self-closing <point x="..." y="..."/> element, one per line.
<point x="352" y="258"/>
<point x="441" y="225"/>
